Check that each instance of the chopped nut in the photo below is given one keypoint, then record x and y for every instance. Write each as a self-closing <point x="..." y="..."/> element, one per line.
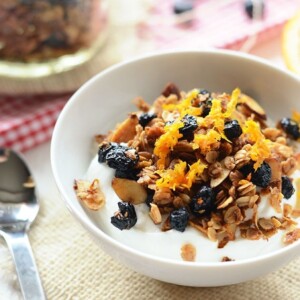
<point x="246" y="188"/>
<point x="292" y="236"/>
<point x="225" y="203"/>
<point x="148" y="176"/>
<point x="211" y="156"/>
<point x="253" y="234"/>
<point x="296" y="213"/>
<point x="29" y="183"/>
<point x="229" y="162"/>
<point x="188" y="252"/>
<point x="235" y="177"/>
<point x="100" y="138"/>
<point x="233" y="215"/>
<point x="289" y="166"/>
<point x="212" y="234"/>
<point x="266" y="224"/>
<point x="226" y="259"/>
<point x="183" y="146"/>
<point x="222" y="173"/>
<point x="276" y="222"/>
<point x="275" y="198"/>
<point x="90" y="193"/>
<point x="271" y="133"/>
<point x="155" y="213"/>
<point x="215" y="170"/>
<point x="126" y="131"/>
<point x="287" y="210"/>
<point x="163" y="196"/>
<point x="241" y="158"/>
<point x="223" y="242"/>
<point x="276" y="172"/>
<point x="141" y="104"/>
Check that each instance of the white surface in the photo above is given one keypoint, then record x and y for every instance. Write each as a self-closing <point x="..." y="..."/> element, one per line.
<point x="217" y="71"/>
<point x="146" y="231"/>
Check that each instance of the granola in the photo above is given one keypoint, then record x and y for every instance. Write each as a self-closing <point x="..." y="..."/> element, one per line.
<point x="45" y="29"/>
<point x="208" y="161"/>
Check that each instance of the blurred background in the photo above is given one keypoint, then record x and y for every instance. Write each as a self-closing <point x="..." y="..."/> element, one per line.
<point x="49" y="48"/>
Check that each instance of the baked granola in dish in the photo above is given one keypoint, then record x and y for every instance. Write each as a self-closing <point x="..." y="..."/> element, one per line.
<point x="204" y="162"/>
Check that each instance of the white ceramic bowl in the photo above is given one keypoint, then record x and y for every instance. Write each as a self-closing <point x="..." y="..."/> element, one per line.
<point x="106" y="99"/>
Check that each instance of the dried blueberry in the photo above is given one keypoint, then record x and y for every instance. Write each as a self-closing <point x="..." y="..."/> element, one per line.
<point x="145" y="118"/>
<point x="262" y="176"/>
<point x="206" y="93"/>
<point x="149" y="199"/>
<point x="104" y="149"/>
<point x="122" y="158"/>
<point x="203" y="201"/>
<point x="232" y="129"/>
<point x="179" y="219"/>
<point x="181" y="6"/>
<point x="129" y="174"/>
<point x="250" y="7"/>
<point x="190" y="124"/>
<point x="246" y="169"/>
<point x="125" y="217"/>
<point x="206" y="102"/>
<point x="290" y="127"/>
<point x="287" y="188"/>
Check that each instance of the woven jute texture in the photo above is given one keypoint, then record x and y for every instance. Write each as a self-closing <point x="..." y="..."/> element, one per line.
<point x="73" y="267"/>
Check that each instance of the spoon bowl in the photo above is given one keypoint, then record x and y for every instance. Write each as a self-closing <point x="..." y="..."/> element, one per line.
<point x="18" y="209"/>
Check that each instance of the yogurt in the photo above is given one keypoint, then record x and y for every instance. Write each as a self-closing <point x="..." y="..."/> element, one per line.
<point x="148" y="238"/>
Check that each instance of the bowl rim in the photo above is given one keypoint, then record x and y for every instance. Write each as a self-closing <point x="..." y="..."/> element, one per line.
<point x="95" y="230"/>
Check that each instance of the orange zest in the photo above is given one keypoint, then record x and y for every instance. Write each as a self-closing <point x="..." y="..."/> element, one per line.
<point x="166" y="142"/>
<point x="179" y="177"/>
<point x="185" y="107"/>
<point x="260" y="149"/>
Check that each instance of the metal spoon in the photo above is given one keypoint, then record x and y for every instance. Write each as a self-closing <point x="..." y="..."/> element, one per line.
<point x="18" y="209"/>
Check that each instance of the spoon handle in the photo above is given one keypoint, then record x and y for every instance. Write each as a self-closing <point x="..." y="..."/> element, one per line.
<point x="19" y="246"/>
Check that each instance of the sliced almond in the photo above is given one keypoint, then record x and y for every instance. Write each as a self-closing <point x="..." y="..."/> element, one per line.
<point x="90" y="193"/>
<point x="266" y="224"/>
<point x="129" y="190"/>
<point x="243" y="201"/>
<point x="251" y="104"/>
<point x="125" y="131"/>
<point x="225" y="203"/>
<point x="212" y="234"/>
<point x="224" y="173"/>
<point x="188" y="252"/>
<point x="276" y="172"/>
<point x="292" y="236"/>
<point x="155" y="214"/>
<point x="29" y="183"/>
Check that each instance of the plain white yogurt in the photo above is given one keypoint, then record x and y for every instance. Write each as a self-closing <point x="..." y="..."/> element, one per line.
<point x="148" y="238"/>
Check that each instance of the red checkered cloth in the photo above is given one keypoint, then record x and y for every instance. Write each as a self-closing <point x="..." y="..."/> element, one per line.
<point x="28" y="121"/>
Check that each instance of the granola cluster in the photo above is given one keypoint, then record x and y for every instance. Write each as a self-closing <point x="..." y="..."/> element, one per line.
<point x="205" y="160"/>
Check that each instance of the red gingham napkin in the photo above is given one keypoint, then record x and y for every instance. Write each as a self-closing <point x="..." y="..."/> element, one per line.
<point x="28" y="121"/>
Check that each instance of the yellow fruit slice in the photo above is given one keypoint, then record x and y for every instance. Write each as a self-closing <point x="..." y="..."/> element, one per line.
<point x="291" y="43"/>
